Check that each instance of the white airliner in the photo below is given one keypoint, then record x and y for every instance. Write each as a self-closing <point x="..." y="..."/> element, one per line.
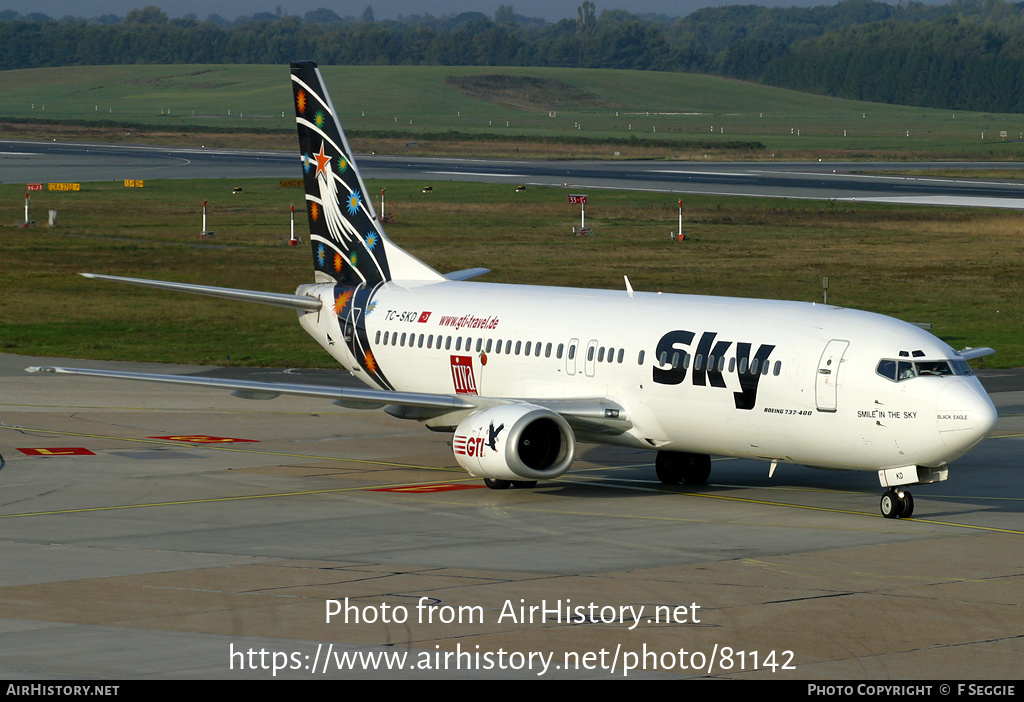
<point x="521" y="373"/>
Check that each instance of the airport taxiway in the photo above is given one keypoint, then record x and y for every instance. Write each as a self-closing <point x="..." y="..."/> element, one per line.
<point x="151" y="531"/>
<point x="26" y="161"/>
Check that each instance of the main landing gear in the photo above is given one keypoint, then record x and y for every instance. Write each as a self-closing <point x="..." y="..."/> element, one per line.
<point x="690" y="468"/>
<point x="897" y="503"/>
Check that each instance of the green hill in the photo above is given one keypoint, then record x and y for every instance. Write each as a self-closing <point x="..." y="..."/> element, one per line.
<point x="568" y="104"/>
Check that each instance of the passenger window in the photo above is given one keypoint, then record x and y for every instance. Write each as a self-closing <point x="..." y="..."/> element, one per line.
<point x="519" y="347"/>
<point x="572" y="352"/>
<point x="547" y="350"/>
<point x="640" y="358"/>
<point x="600" y="354"/>
<point x="402" y="342"/>
<point x="778" y="367"/>
<point x="558" y="353"/>
<point x="376" y="339"/>
<point x="590" y="353"/>
<point x="447" y="343"/>
<point x="529" y="346"/>
<point x="620" y="355"/>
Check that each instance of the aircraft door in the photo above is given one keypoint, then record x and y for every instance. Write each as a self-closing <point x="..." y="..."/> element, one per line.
<point x="570" y="356"/>
<point x="828" y="375"/>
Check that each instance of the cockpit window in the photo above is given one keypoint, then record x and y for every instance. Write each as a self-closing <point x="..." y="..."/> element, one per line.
<point x="934" y="368"/>
<point x="887" y="369"/>
<point x="903" y="369"/>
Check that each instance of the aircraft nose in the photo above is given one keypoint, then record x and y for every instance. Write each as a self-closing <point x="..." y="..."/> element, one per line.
<point x="965" y="414"/>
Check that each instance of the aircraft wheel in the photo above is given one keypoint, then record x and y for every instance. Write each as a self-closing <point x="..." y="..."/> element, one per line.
<point x="524" y="484"/>
<point x="909" y="509"/>
<point x="668" y="467"/>
<point x="697" y="469"/>
<point x="893" y="506"/>
<point x="497" y="484"/>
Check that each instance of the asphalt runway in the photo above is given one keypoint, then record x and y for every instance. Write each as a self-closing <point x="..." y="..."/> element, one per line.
<point x="38" y="161"/>
<point x="137" y="542"/>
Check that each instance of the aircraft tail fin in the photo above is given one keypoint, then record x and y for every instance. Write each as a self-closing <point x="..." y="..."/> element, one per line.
<point x="348" y="241"/>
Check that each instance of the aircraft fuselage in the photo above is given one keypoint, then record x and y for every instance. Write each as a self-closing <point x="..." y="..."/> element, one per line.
<point x="780" y="381"/>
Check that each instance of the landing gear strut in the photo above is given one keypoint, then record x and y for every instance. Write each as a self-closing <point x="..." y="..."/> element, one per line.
<point x="897" y="503"/>
<point x="690" y="468"/>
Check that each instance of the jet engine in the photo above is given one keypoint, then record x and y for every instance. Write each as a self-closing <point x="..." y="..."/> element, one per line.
<point x="516" y="442"/>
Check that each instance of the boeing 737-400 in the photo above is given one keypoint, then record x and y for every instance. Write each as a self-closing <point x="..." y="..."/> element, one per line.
<point x="519" y="374"/>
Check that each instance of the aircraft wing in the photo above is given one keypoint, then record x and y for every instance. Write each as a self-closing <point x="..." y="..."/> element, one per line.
<point x="297" y="302"/>
<point x="255" y="390"/>
<point x="587" y="414"/>
<point x="972" y="353"/>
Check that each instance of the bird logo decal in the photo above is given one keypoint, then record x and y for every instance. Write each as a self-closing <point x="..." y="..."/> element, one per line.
<point x="492" y="436"/>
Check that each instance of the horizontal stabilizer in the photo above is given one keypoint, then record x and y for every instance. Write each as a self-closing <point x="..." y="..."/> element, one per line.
<point x="295" y="302"/>
<point x="466" y="273"/>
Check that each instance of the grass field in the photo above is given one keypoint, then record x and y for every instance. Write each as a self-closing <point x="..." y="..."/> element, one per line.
<point x="962" y="270"/>
<point x="407" y="102"/>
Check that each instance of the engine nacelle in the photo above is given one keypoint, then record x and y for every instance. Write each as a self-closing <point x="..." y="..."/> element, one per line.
<point x="515" y="442"/>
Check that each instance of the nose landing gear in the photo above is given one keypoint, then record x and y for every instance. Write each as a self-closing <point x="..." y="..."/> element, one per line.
<point x="897" y="503"/>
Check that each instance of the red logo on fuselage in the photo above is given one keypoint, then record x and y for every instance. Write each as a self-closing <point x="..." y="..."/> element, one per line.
<point x="423" y="317"/>
<point x="462" y="375"/>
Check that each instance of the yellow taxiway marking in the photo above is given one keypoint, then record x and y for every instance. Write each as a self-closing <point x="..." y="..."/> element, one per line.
<point x="773" y="503"/>
<point x="516" y="507"/>
<point x="657" y="488"/>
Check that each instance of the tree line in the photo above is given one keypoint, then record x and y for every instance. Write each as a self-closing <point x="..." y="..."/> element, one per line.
<point x="967" y="54"/>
